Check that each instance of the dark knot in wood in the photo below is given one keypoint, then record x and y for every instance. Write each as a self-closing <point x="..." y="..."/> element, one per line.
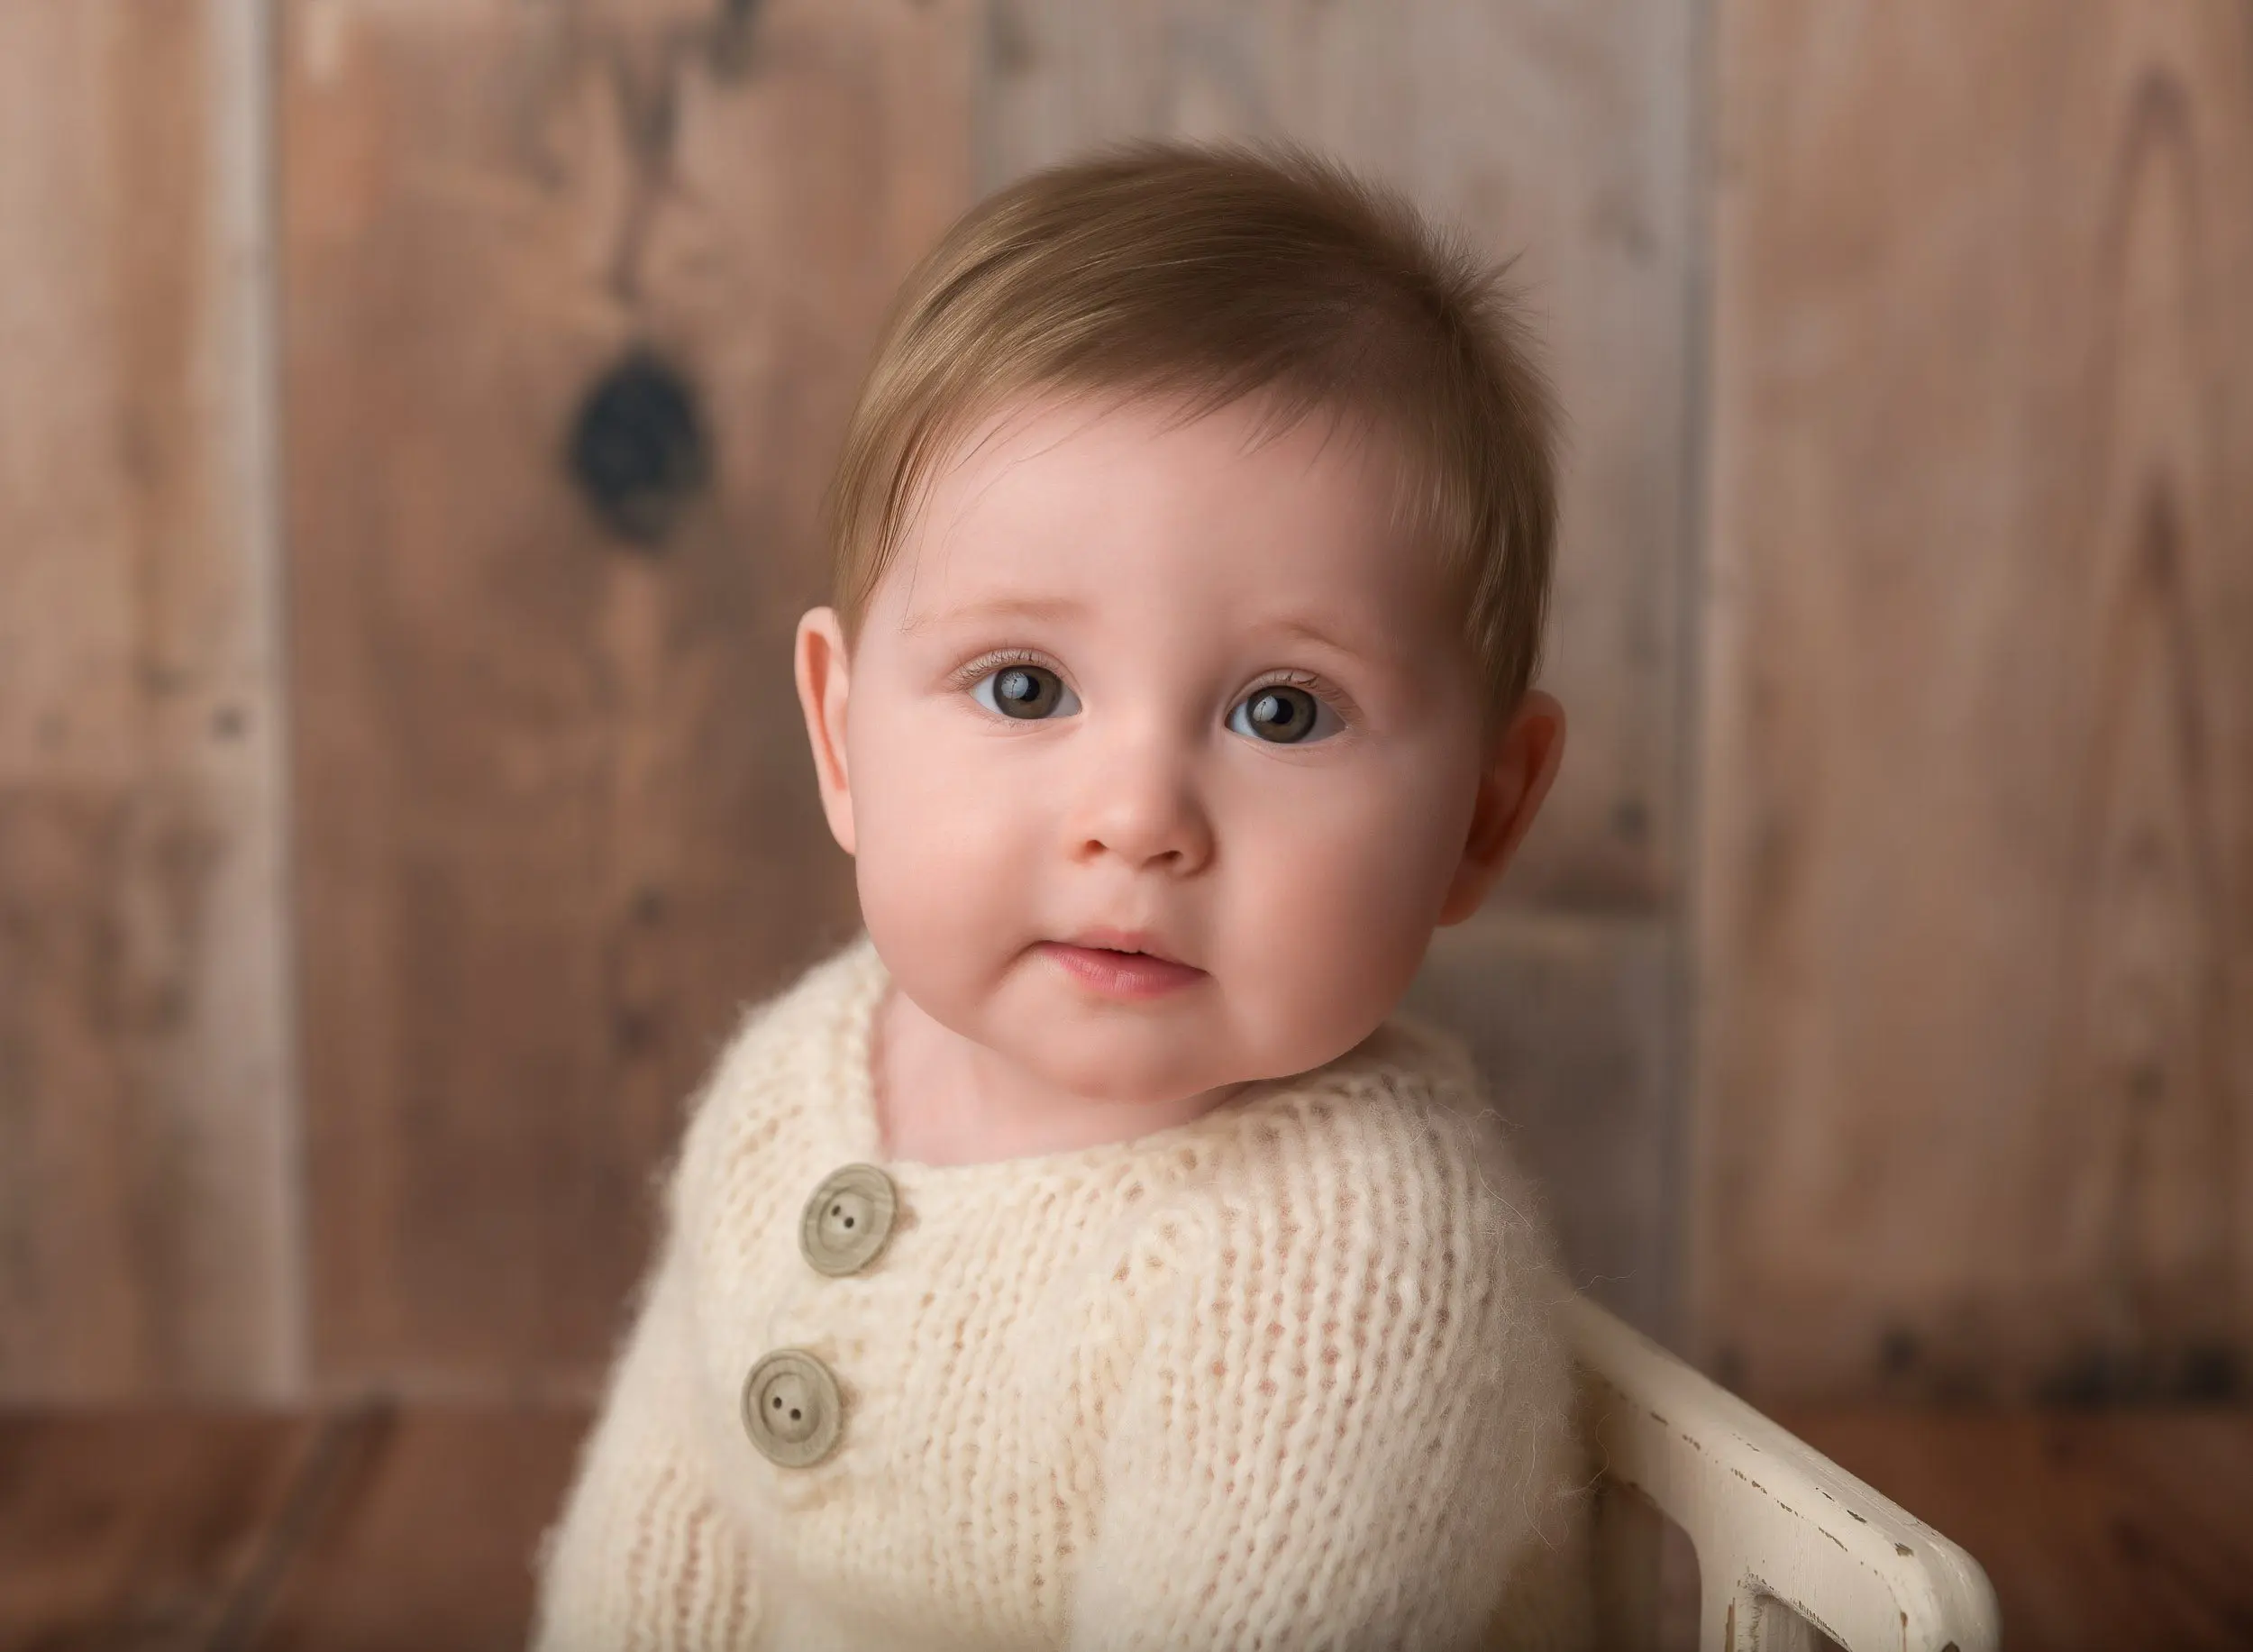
<point x="638" y="449"/>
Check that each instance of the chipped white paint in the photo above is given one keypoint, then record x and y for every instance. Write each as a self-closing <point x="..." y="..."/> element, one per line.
<point x="1773" y="1520"/>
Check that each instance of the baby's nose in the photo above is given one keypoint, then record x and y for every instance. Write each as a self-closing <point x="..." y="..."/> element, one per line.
<point x="1145" y="807"/>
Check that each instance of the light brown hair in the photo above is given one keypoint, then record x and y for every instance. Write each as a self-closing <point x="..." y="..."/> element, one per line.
<point x="1208" y="274"/>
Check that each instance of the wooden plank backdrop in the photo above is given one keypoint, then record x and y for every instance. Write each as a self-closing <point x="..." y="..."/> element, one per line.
<point x="576" y="299"/>
<point x="148" y="1226"/>
<point x="392" y="828"/>
<point x="1977" y="884"/>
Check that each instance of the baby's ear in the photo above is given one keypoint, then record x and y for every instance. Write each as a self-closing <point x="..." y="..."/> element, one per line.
<point x="1519" y="767"/>
<point x="823" y="683"/>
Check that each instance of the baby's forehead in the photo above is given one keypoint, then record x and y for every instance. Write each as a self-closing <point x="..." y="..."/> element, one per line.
<point x="1078" y="509"/>
<point x="1076" y="465"/>
<point x="1173" y="424"/>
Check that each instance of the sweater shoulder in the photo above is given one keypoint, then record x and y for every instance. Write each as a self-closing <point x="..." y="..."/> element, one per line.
<point x="785" y="1055"/>
<point x="1388" y="1169"/>
<point x="1401" y="1145"/>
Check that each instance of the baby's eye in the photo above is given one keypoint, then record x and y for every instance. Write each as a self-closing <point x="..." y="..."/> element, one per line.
<point x="1026" y="692"/>
<point x="1282" y="714"/>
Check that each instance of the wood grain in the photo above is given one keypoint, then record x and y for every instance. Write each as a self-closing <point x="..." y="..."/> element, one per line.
<point x="1977" y="879"/>
<point x="2098" y="1528"/>
<point x="1564" y="135"/>
<point x="142" y="1530"/>
<point x="425" y="1534"/>
<point x="557" y="821"/>
<point x="148" y="1232"/>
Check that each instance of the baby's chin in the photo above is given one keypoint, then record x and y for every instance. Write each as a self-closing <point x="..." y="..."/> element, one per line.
<point x="1148" y="1067"/>
<point x="1118" y="1067"/>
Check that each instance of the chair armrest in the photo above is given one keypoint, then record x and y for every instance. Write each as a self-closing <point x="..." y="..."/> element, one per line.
<point x="1772" y="1518"/>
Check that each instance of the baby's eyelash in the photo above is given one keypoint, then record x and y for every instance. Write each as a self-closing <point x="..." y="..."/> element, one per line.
<point x="1314" y="685"/>
<point x="964" y="676"/>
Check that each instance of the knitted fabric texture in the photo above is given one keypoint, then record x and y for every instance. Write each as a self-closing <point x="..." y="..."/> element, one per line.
<point x="1286" y="1376"/>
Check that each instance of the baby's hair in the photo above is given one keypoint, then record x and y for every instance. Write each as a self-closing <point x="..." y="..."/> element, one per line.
<point x="1202" y="275"/>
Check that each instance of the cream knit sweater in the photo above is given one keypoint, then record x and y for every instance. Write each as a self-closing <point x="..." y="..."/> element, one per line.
<point x="1285" y="1377"/>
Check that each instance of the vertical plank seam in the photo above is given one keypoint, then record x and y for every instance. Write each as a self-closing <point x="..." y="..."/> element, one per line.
<point x="245" y="73"/>
<point x="1684" y="1037"/>
<point x="985" y="141"/>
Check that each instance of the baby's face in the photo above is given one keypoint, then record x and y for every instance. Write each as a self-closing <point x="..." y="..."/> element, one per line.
<point x="1061" y="714"/>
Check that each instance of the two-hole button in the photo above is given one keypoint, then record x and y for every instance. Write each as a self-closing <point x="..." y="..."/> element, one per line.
<point x="792" y="1408"/>
<point x="848" y="1220"/>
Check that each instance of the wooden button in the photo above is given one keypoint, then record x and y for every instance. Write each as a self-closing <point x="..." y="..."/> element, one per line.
<point x="848" y="1219"/>
<point x="791" y="1408"/>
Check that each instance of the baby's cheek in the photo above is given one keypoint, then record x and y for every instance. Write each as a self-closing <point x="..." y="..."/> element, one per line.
<point x="945" y="880"/>
<point x="924" y="892"/>
<point x="924" y="818"/>
<point x="1333" y="921"/>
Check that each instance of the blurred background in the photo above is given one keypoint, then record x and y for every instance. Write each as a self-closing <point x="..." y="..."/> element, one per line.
<point x="413" y="420"/>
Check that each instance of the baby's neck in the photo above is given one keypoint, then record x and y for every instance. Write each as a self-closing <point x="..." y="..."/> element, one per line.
<point x="941" y="1099"/>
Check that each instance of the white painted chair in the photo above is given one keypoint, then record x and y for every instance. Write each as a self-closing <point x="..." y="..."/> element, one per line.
<point x="1790" y="1546"/>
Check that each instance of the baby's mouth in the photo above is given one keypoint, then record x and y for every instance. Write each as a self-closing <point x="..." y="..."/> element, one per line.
<point x="1130" y="944"/>
<point x="1120" y="972"/>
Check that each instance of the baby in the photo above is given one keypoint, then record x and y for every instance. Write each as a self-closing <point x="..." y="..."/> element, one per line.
<point x="1086" y="1254"/>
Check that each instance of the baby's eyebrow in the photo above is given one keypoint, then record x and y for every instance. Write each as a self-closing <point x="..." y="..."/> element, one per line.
<point x="1001" y="607"/>
<point x="1304" y="626"/>
<point x="1293" y="625"/>
<point x="1071" y="609"/>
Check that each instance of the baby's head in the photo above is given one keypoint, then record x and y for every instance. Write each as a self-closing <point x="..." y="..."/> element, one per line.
<point x="1192" y="543"/>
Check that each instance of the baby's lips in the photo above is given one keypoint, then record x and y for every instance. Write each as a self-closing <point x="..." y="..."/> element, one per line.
<point x="1105" y="937"/>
